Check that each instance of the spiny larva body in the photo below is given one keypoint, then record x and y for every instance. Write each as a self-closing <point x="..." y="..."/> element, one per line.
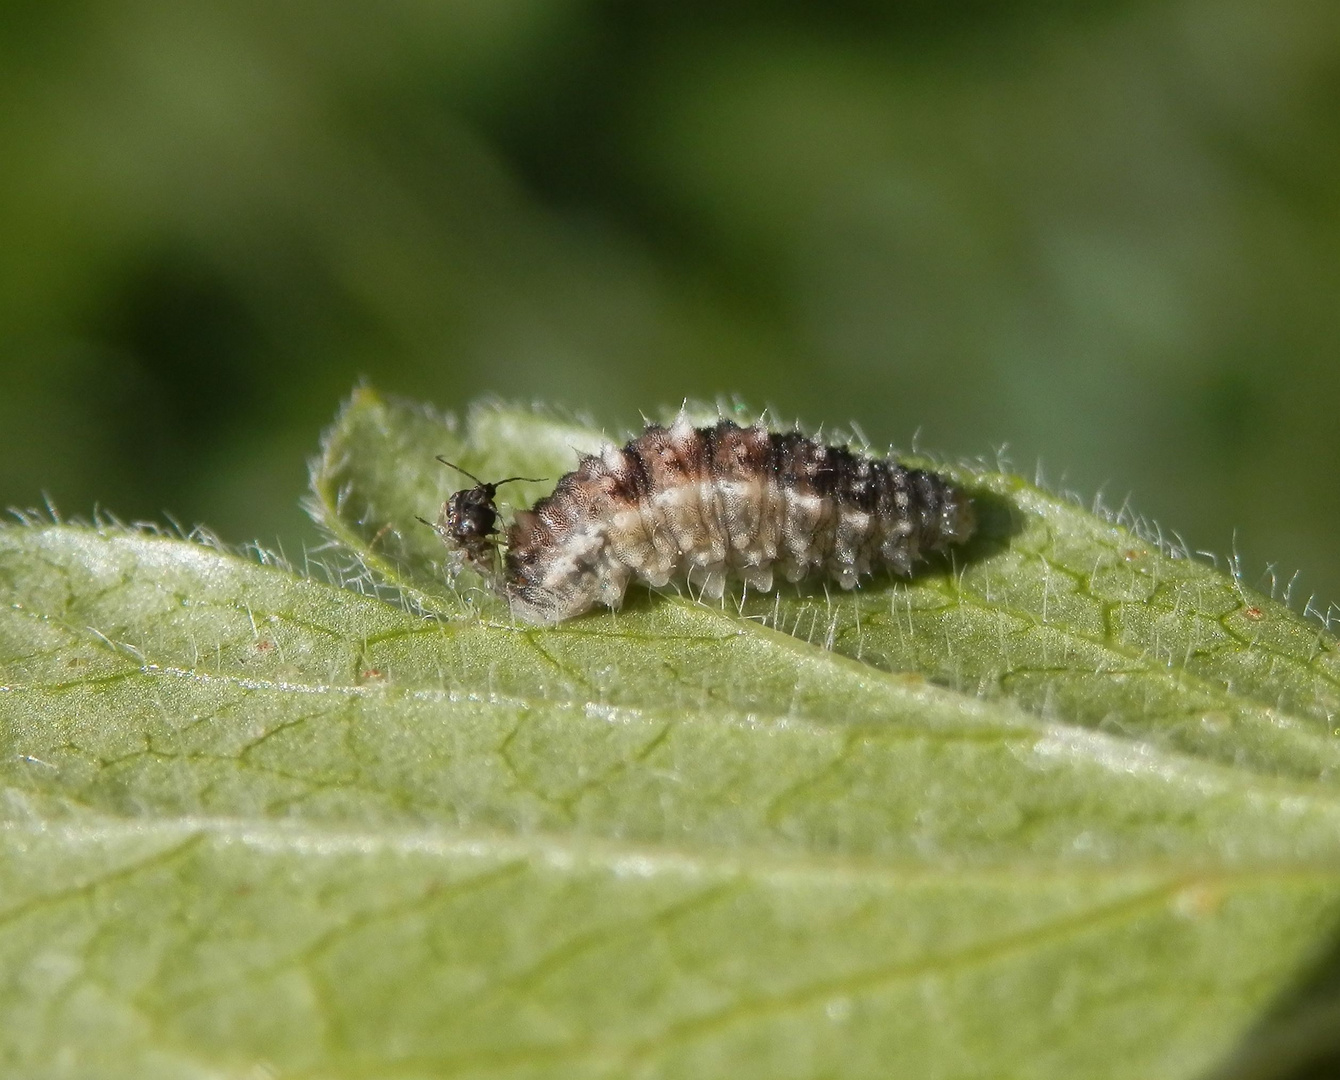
<point x="698" y="505"/>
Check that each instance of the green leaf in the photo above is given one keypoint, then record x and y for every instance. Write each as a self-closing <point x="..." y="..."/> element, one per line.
<point x="1064" y="809"/>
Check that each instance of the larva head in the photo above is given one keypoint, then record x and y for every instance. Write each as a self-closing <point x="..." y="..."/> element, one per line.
<point x="468" y="521"/>
<point x="469" y="517"/>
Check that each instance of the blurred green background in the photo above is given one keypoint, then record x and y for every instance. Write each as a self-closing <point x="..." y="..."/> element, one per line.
<point x="1105" y="234"/>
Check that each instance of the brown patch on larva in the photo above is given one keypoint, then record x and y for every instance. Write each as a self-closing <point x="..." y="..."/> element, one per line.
<point x="702" y="505"/>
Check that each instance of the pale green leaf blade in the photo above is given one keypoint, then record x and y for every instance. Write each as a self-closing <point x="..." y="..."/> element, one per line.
<point x="261" y="825"/>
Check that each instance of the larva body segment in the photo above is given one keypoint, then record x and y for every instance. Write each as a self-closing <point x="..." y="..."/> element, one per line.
<point x="702" y="505"/>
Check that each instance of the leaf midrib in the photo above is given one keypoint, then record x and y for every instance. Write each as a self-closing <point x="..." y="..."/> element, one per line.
<point x="563" y="851"/>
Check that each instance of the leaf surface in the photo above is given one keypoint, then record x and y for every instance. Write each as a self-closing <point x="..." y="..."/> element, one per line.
<point x="1000" y="820"/>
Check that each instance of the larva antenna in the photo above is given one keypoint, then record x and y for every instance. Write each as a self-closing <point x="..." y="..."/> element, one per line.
<point x="485" y="484"/>
<point x="464" y="472"/>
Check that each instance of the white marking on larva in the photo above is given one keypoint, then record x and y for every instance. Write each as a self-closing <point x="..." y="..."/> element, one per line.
<point x="697" y="505"/>
<point x="682" y="433"/>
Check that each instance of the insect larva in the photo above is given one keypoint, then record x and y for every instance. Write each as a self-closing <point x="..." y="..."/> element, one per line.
<point x="700" y="504"/>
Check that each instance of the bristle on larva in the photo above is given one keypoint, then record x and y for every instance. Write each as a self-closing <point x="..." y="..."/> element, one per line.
<point x="700" y="505"/>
